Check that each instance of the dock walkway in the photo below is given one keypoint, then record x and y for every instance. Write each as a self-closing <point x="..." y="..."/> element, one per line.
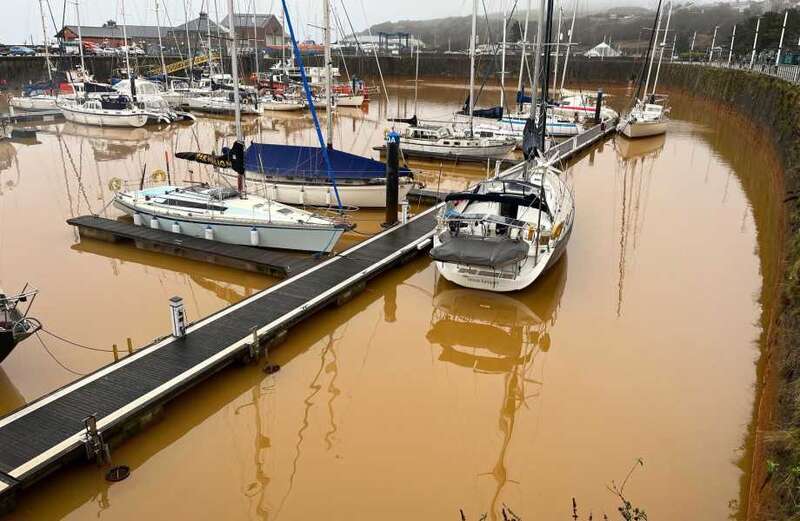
<point x="49" y="432"/>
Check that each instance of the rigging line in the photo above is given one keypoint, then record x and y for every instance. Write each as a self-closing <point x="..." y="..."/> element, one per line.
<point x="56" y="360"/>
<point x="352" y="30"/>
<point x="99" y="350"/>
<point x="375" y="49"/>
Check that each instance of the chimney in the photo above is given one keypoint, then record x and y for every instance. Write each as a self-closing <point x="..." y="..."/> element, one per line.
<point x="110" y="23"/>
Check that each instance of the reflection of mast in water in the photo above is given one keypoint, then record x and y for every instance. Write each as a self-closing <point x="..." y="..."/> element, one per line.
<point x="262" y="443"/>
<point x="630" y="154"/>
<point x="499" y="334"/>
<point x="315" y="387"/>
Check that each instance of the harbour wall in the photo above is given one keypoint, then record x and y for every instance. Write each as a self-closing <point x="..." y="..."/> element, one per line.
<point x="772" y="105"/>
<point x="19" y="70"/>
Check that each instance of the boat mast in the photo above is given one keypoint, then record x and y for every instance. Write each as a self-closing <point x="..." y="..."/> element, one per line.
<point x="537" y="59"/>
<point x="208" y="35"/>
<point x="416" y="82"/>
<point x="326" y="13"/>
<point x="472" y="63"/>
<point x="503" y="60"/>
<point x="558" y="46"/>
<point x="127" y="53"/>
<point x="255" y="40"/>
<point x="548" y="38"/>
<point x="663" y="45"/>
<point x="235" y="73"/>
<point x="188" y="44"/>
<point x="46" y="46"/>
<point x="524" y="48"/>
<point x="161" y="47"/>
<point x="651" y="52"/>
<point x="283" y="43"/>
<point x="569" y="47"/>
<point x="219" y="41"/>
<point x="80" y="37"/>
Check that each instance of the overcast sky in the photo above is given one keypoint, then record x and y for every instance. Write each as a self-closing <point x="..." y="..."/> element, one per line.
<point x="20" y="19"/>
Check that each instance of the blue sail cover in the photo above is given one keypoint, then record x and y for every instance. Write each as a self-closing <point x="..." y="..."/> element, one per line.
<point x="300" y="161"/>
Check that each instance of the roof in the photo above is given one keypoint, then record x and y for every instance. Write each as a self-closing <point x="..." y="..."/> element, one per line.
<point x="245" y="20"/>
<point x="115" y="32"/>
<point x="602" y="49"/>
<point x="200" y="24"/>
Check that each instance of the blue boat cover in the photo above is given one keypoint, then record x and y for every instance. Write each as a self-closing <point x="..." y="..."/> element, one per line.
<point x="300" y="161"/>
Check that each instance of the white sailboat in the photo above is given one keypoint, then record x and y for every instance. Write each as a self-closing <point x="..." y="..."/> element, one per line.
<point x="453" y="141"/>
<point x="648" y="117"/>
<point x="504" y="233"/>
<point x="39" y="99"/>
<point x="226" y="214"/>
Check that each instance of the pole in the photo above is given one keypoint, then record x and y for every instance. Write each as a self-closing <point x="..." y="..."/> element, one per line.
<point x="780" y="44"/>
<point x="46" y="45"/>
<point x="416" y="83"/>
<point x="691" y="49"/>
<point x="545" y="79"/>
<point x="255" y="41"/>
<point x="161" y="47"/>
<point x="663" y="45"/>
<point x="326" y="13"/>
<point x="524" y="48"/>
<point x="127" y="53"/>
<point x="538" y="59"/>
<point x="189" y="42"/>
<point x="235" y="72"/>
<point x="569" y="47"/>
<point x="219" y="41"/>
<point x="652" y="52"/>
<point x="713" y="42"/>
<point x="755" y="42"/>
<point x="730" y="52"/>
<point x="674" y="41"/>
<point x="503" y="60"/>
<point x="472" y="62"/>
<point x="558" y="47"/>
<point x="80" y="37"/>
<point x="392" y="177"/>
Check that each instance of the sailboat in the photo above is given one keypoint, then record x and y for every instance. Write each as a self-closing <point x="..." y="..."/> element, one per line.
<point x="320" y="176"/>
<point x="225" y="214"/>
<point x="108" y="110"/>
<point x="15" y="324"/>
<point x="504" y="233"/>
<point x="648" y="117"/>
<point x="39" y="96"/>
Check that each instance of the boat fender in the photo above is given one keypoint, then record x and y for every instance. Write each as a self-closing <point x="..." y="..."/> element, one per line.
<point x="209" y="234"/>
<point x="154" y="223"/>
<point x="137" y="219"/>
<point x="253" y="236"/>
<point x="176" y="227"/>
<point x="557" y="230"/>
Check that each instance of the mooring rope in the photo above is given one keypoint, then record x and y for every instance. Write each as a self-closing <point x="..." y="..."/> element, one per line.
<point x="99" y="350"/>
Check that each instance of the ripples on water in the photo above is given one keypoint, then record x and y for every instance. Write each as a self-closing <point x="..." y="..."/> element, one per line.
<point x="418" y="398"/>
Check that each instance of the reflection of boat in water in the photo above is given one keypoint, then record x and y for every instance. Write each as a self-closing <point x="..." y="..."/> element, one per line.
<point x="109" y="143"/>
<point x="10" y="397"/>
<point x="494" y="333"/>
<point x="628" y="149"/>
<point x="7" y="154"/>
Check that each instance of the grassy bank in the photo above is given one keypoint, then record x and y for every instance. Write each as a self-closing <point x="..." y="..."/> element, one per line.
<point x="774" y="107"/>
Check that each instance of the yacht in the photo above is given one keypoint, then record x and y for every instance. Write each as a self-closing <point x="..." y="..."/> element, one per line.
<point x="104" y="111"/>
<point x="226" y="215"/>
<point x="506" y="232"/>
<point x="644" y="120"/>
<point x="150" y="98"/>
<point x="225" y="105"/>
<point x="444" y="142"/>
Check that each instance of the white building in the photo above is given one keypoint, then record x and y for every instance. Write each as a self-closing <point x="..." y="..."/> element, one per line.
<point x="602" y="50"/>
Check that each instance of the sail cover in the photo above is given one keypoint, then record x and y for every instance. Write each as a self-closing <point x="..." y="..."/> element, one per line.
<point x="490" y="253"/>
<point x="308" y="162"/>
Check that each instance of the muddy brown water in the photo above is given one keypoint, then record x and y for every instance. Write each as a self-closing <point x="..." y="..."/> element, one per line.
<point x="419" y="398"/>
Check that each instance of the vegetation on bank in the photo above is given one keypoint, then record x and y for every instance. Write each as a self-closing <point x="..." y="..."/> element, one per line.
<point x="774" y="106"/>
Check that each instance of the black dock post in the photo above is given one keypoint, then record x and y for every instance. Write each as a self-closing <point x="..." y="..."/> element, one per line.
<point x="598" y="106"/>
<point x="392" y="179"/>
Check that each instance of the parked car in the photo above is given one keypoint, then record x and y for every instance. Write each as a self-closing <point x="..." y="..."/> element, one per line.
<point x="18" y="50"/>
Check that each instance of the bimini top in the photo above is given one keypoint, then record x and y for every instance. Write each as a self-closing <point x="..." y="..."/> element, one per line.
<point x="502" y="191"/>
<point x="300" y="161"/>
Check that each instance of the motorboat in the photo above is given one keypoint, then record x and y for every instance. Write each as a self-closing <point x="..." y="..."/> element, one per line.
<point x="225" y="105"/>
<point x="149" y="97"/>
<point x="280" y="103"/>
<point x="104" y="111"/>
<point x="15" y="324"/>
<point x="226" y="215"/>
<point x="503" y="234"/>
<point x="581" y="106"/>
<point x="298" y="175"/>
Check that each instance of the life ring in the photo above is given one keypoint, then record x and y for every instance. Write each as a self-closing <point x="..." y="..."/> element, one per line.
<point x="158" y="176"/>
<point x="115" y="184"/>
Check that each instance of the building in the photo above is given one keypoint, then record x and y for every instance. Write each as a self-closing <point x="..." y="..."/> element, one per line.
<point x="602" y="50"/>
<point x="266" y="29"/>
<point x="201" y="30"/>
<point x="112" y="35"/>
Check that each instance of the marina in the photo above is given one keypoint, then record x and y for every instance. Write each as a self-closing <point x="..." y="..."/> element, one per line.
<point x="246" y="275"/>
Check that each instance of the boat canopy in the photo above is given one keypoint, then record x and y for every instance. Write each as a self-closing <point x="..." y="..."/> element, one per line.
<point x="308" y="162"/>
<point x="474" y="251"/>
<point x="515" y="192"/>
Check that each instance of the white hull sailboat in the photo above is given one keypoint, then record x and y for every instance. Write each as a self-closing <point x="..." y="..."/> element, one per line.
<point x="644" y="121"/>
<point x="500" y="236"/>
<point x="349" y="100"/>
<point x="223" y="106"/>
<point x="92" y="112"/>
<point x="444" y="143"/>
<point x="223" y="215"/>
<point x="41" y="102"/>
